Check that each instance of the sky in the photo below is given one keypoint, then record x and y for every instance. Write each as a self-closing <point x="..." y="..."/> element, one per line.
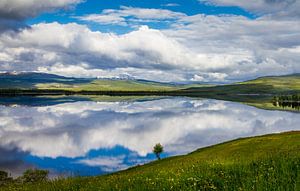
<point x="161" y="40"/>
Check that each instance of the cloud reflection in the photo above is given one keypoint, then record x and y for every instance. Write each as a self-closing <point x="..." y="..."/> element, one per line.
<point x="72" y="130"/>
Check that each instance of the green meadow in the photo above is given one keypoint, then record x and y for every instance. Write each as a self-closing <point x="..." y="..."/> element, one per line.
<point x="108" y="85"/>
<point x="280" y="83"/>
<point x="269" y="162"/>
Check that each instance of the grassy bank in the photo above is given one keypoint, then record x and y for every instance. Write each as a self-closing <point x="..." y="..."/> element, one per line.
<point x="270" y="162"/>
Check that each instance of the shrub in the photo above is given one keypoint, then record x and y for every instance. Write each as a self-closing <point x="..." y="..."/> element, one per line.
<point x="34" y="176"/>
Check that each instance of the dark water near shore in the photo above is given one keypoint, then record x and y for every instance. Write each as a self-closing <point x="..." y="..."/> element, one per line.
<point x="73" y="136"/>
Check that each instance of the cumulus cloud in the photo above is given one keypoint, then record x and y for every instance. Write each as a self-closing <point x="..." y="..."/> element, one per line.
<point x="132" y="15"/>
<point x="194" y="48"/>
<point x="201" y="46"/>
<point x="254" y="51"/>
<point x="14" y="12"/>
<point x="144" y="49"/>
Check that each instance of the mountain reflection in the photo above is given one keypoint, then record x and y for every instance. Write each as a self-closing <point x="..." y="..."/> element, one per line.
<point x="88" y="138"/>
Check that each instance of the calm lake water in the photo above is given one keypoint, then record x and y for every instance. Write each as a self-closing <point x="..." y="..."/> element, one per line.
<point x="78" y="137"/>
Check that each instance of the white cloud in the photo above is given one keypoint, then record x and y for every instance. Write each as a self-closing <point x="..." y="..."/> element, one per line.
<point x="142" y="49"/>
<point x="171" y="5"/>
<point x="197" y="47"/>
<point x="131" y="15"/>
<point x="107" y="19"/>
<point x="219" y="77"/>
<point x="22" y="9"/>
<point x="146" y="13"/>
<point x="254" y="51"/>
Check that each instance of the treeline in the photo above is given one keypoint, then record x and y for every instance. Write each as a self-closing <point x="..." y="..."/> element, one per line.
<point x="39" y="92"/>
<point x="33" y="92"/>
<point x="291" y="101"/>
<point x="287" y="98"/>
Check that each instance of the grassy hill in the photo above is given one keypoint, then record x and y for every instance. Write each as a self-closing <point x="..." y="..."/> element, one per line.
<point x="108" y="85"/>
<point x="260" y="86"/>
<point x="270" y="162"/>
<point x="280" y="83"/>
<point x="31" y="79"/>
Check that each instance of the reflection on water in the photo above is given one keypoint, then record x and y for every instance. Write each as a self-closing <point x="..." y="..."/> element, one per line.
<point x="287" y="101"/>
<point x="89" y="138"/>
<point x="288" y="104"/>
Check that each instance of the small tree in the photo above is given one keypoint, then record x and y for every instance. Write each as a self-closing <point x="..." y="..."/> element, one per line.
<point x="157" y="150"/>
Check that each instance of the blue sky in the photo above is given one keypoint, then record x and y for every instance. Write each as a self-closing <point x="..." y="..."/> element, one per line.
<point x="209" y="41"/>
<point x="191" y="7"/>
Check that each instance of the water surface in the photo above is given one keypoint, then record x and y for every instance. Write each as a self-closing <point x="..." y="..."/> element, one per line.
<point x="90" y="138"/>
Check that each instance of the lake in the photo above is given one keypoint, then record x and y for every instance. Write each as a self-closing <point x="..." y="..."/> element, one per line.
<point x="74" y="136"/>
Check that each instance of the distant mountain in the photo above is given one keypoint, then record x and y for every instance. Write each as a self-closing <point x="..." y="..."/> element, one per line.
<point x="34" y="80"/>
<point x="30" y="79"/>
<point x="29" y="75"/>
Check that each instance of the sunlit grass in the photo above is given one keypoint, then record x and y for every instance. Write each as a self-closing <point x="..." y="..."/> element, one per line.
<point x="281" y="83"/>
<point x="269" y="162"/>
<point x="109" y="85"/>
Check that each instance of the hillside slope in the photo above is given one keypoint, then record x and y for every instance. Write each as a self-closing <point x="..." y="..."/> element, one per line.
<point x="270" y="162"/>
<point x="284" y="83"/>
<point x="263" y="85"/>
<point x="29" y="80"/>
<point x="108" y="85"/>
<point x="50" y="82"/>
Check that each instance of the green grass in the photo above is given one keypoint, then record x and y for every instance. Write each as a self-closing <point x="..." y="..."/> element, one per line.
<point x="116" y="85"/>
<point x="109" y="85"/>
<point x="282" y="83"/>
<point x="270" y="162"/>
<point x="263" y="85"/>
